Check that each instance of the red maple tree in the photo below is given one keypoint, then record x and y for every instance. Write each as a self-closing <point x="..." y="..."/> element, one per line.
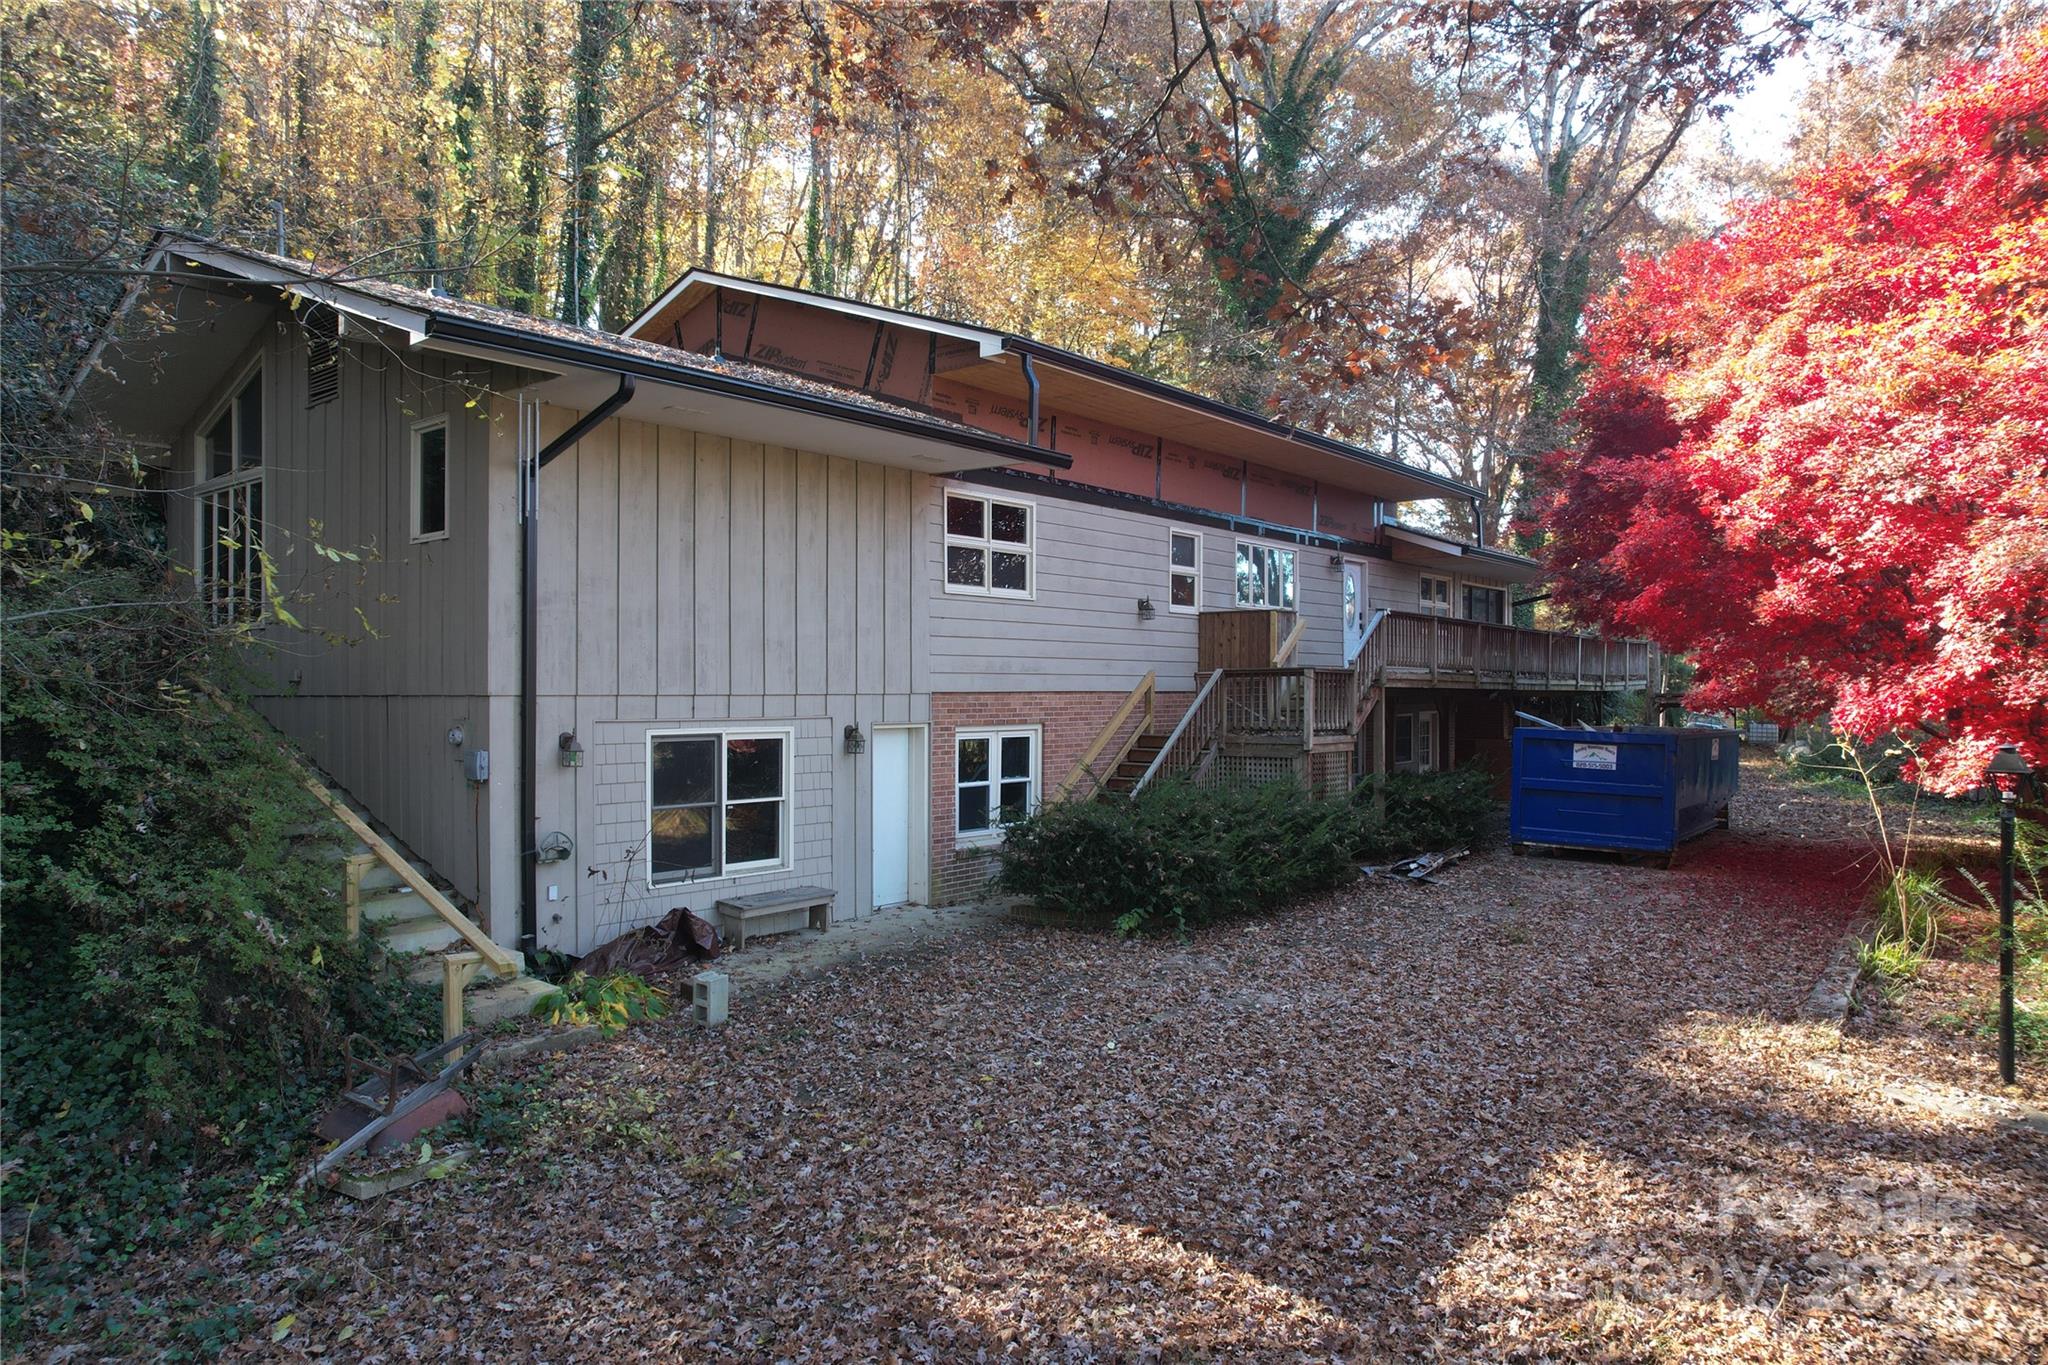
<point x="1813" y="452"/>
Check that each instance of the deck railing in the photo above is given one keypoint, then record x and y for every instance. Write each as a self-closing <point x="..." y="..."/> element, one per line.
<point x="1428" y="648"/>
<point x="1191" y="745"/>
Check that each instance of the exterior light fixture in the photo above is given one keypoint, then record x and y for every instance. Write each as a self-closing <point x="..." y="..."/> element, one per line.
<point x="2006" y="770"/>
<point x="568" y="750"/>
<point x="1146" y="611"/>
<point x="856" y="742"/>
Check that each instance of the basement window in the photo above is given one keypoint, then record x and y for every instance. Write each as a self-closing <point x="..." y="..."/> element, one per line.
<point x="988" y="546"/>
<point x="995" y="780"/>
<point x="718" y="804"/>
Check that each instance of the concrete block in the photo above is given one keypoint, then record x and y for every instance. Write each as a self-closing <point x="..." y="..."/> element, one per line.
<point x="710" y="998"/>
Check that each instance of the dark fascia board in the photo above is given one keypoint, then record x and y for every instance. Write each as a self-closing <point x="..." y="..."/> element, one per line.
<point x="1157" y="388"/>
<point x="1018" y="481"/>
<point x="613" y="362"/>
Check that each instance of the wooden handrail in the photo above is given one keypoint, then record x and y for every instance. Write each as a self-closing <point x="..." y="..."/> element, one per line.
<point x="1145" y="691"/>
<point x="1200" y="706"/>
<point x="502" y="962"/>
<point x="1286" y="648"/>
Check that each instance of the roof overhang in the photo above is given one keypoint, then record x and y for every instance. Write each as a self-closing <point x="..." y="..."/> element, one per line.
<point x="224" y="292"/>
<point x="698" y="285"/>
<point x="1414" y="546"/>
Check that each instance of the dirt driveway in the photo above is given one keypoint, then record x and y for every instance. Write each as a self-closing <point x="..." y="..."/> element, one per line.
<point x="1549" y="1108"/>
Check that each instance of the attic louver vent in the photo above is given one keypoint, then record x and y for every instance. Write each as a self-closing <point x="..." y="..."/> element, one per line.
<point x="323" y="355"/>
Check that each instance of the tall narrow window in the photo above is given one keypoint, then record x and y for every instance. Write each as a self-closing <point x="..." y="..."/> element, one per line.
<point x="229" y="545"/>
<point x="1184" y="572"/>
<point x="1436" y="595"/>
<point x="1265" y="576"/>
<point x="430" y="480"/>
<point x="995" y="779"/>
<point x="988" y="546"/>
<point x="718" y="804"/>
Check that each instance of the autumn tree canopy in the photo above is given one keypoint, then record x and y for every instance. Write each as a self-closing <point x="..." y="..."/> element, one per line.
<point x="1814" y="450"/>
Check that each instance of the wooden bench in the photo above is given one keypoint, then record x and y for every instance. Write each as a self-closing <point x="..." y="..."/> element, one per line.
<point x="735" y="912"/>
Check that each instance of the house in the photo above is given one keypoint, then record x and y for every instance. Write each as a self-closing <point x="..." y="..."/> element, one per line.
<point x="775" y="590"/>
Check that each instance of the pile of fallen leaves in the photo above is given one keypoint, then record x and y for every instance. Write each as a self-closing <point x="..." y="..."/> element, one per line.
<point x="1551" y="1106"/>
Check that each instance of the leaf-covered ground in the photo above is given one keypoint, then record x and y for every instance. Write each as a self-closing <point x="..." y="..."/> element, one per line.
<point x="1553" y="1107"/>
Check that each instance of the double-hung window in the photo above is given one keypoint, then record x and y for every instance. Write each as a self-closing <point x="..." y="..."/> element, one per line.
<point x="228" y="553"/>
<point x="1184" y="572"/>
<point x="718" y="804"/>
<point x="430" y="480"/>
<point x="1436" y="595"/>
<point x="1265" y="576"/>
<point x="995" y="779"/>
<point x="988" y="545"/>
<point x="1486" y="604"/>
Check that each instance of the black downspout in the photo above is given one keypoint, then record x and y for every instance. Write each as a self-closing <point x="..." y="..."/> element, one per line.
<point x="529" y="664"/>
<point x="1031" y="416"/>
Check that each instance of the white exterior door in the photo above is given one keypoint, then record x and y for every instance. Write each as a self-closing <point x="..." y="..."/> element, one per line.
<point x="1355" y="613"/>
<point x="895" y="801"/>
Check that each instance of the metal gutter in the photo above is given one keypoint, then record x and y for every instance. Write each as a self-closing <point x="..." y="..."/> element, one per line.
<point x="705" y="381"/>
<point x="529" y="660"/>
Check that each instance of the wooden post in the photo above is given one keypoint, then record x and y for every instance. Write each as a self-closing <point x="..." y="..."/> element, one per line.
<point x="457" y="970"/>
<point x="352" y="889"/>
<point x="1308" y="709"/>
<point x="1379" y="758"/>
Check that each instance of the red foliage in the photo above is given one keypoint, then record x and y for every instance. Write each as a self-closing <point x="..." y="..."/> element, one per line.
<point x="1814" y="451"/>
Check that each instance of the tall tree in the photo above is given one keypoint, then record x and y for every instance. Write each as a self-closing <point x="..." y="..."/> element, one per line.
<point x="1835" y="414"/>
<point x="598" y="26"/>
<point x="196" y="109"/>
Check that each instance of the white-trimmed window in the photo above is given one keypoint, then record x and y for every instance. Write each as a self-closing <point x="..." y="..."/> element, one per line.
<point x="1265" y="576"/>
<point x="1184" y="571"/>
<point x="989" y="545"/>
<point x="229" y="502"/>
<point x="430" y="480"/>
<point x="995" y="780"/>
<point x="1436" y="595"/>
<point x="1484" y="603"/>
<point x="1414" y="741"/>
<point x="717" y="804"/>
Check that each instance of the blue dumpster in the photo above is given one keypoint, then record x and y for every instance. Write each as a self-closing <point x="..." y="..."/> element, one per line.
<point x="1641" y="790"/>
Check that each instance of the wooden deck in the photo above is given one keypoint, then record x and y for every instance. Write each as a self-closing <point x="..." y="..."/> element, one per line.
<point x="1436" y="651"/>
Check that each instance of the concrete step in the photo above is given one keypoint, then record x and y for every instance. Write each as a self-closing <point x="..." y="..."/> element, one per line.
<point x="422" y="933"/>
<point x="486" y="1005"/>
<point x="393" y="903"/>
<point x="377" y="876"/>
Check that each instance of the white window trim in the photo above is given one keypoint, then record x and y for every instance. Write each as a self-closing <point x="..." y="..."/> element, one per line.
<point x="201" y="480"/>
<point x="1425" y="722"/>
<point x="785" y="862"/>
<point x="420" y="429"/>
<point x="1450" y="608"/>
<point x="995" y="735"/>
<point x="1281" y="546"/>
<point x="1028" y="549"/>
<point x="1173" y="571"/>
<point x="205" y="488"/>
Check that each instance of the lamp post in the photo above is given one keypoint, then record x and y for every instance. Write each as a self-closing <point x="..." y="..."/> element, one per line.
<point x="2007" y="768"/>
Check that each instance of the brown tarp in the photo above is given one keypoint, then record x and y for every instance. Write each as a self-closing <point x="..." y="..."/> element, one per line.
<point x="652" y="950"/>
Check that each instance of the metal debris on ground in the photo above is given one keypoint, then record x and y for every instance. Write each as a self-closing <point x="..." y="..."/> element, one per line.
<point x="1419" y="868"/>
<point x="373" y="1111"/>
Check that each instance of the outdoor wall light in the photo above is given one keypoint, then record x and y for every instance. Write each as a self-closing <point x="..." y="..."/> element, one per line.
<point x="568" y="750"/>
<point x="856" y="742"/>
<point x="1146" y="611"/>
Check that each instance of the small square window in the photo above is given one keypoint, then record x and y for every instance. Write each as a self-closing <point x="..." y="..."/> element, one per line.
<point x="988" y="546"/>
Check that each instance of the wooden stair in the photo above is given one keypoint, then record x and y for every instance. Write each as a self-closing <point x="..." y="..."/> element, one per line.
<point x="1134" y="764"/>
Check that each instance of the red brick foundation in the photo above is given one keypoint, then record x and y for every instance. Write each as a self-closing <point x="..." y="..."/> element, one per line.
<point x="1068" y="723"/>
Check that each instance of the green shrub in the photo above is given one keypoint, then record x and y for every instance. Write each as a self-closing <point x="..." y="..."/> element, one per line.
<point x="611" y="1001"/>
<point x="1177" y="855"/>
<point x="176" y="974"/>
<point x="1425" y="812"/>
